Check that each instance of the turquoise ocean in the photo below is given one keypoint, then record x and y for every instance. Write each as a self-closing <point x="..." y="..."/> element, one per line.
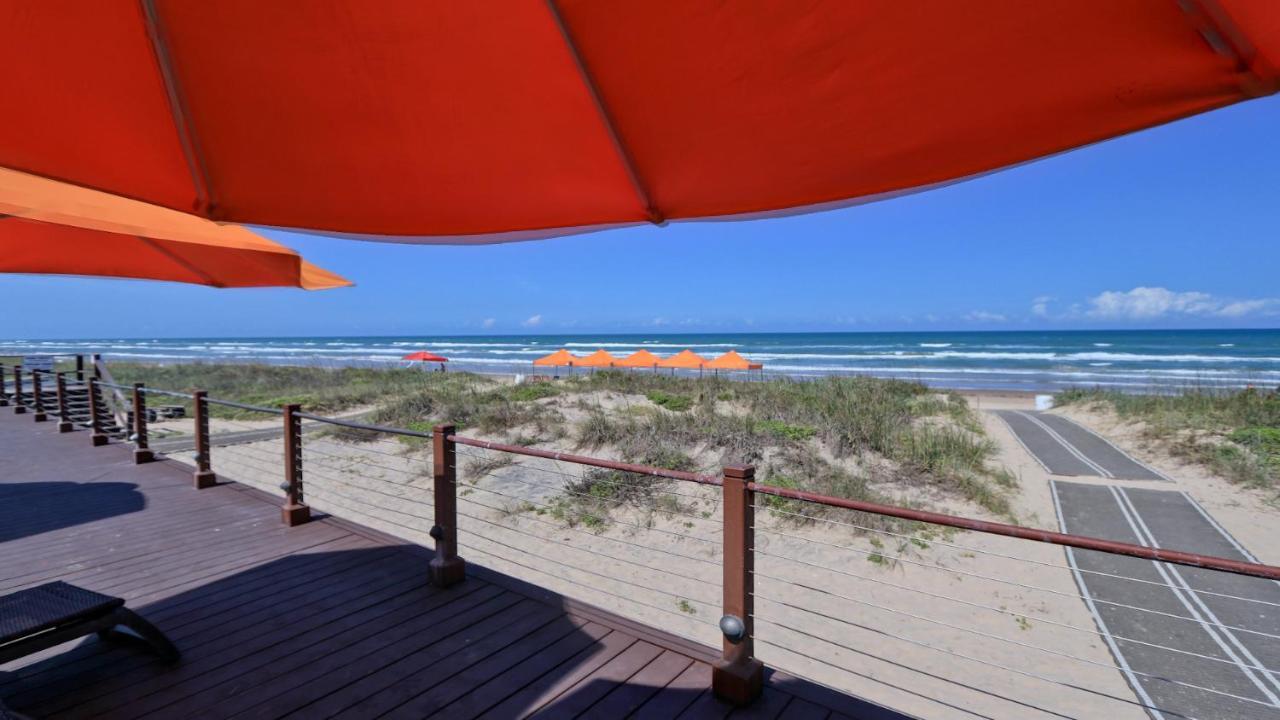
<point x="1031" y="361"/>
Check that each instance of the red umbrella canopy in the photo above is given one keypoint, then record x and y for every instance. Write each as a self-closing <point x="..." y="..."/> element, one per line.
<point x="491" y="121"/>
<point x="424" y="356"/>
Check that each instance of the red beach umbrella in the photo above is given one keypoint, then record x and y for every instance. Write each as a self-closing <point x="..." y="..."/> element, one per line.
<point x="473" y="122"/>
<point x="424" y="356"/>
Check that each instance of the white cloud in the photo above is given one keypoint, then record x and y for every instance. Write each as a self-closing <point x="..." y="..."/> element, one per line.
<point x="986" y="317"/>
<point x="488" y="323"/>
<point x="533" y="321"/>
<point x="1146" y="303"/>
<point x="1040" y="306"/>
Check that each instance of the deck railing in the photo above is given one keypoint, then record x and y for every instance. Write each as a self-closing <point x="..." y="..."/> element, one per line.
<point x="786" y="563"/>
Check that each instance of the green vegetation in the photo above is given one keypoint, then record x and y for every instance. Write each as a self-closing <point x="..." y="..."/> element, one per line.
<point x="323" y="390"/>
<point x="534" y="391"/>
<point x="786" y="432"/>
<point x="847" y="437"/>
<point x="1236" y="434"/>
<point x="675" y="403"/>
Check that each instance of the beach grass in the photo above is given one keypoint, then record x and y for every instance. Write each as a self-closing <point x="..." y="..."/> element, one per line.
<point x="852" y="437"/>
<point x="1234" y="433"/>
<point x="320" y="390"/>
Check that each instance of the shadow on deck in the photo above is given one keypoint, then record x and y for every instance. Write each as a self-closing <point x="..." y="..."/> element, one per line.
<point x="322" y="620"/>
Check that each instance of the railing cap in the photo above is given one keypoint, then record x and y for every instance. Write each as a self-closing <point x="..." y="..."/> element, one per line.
<point x="741" y="472"/>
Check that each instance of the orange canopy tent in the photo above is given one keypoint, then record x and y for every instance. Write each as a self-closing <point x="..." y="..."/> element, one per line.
<point x="50" y="227"/>
<point x="640" y="359"/>
<point x="597" y="359"/>
<point x="564" y="116"/>
<point x="559" y="358"/>
<point x="684" y="360"/>
<point x="733" y="361"/>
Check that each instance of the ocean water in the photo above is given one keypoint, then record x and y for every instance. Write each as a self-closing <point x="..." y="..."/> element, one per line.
<point x="1037" y="361"/>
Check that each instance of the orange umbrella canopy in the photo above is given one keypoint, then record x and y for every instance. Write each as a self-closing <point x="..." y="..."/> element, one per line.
<point x="424" y="356"/>
<point x="49" y="227"/>
<point x="684" y="360"/>
<point x="559" y="358"/>
<point x="640" y="359"/>
<point x="546" y="118"/>
<point x="733" y="361"/>
<point x="599" y="358"/>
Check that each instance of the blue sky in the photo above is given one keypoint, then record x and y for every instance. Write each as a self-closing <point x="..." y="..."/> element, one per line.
<point x="1177" y="226"/>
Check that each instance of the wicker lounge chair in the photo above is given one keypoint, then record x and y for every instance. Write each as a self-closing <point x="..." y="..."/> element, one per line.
<point x="41" y="617"/>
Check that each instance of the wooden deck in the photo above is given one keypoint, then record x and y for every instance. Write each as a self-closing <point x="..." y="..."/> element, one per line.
<point x="325" y="619"/>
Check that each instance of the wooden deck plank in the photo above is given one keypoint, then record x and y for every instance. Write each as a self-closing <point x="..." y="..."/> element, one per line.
<point x="443" y="631"/>
<point x="801" y="709"/>
<point x="630" y="695"/>
<point x="449" y="682"/>
<point x="518" y="677"/>
<point x="306" y="621"/>
<point x="678" y="695"/>
<point x="246" y="647"/>
<point x="587" y="691"/>
<point x="770" y="705"/>
<point x="258" y="659"/>
<point x="537" y="694"/>
<point x="309" y="668"/>
<point x="198" y="624"/>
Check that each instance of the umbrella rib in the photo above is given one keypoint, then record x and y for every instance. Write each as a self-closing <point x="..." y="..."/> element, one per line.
<point x="628" y="162"/>
<point x="209" y="279"/>
<point x="181" y="118"/>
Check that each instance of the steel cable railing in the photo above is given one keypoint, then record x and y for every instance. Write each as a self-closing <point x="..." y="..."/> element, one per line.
<point x="1000" y="638"/>
<point x="773" y="567"/>
<point x="1006" y="556"/>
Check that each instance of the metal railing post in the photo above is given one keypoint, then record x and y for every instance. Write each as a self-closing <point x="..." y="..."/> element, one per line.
<point x="738" y="677"/>
<point x="64" y="417"/>
<point x="38" y="395"/>
<point x="446" y="567"/>
<point x="97" y="437"/>
<point x="4" y="389"/>
<point x="295" y="510"/>
<point x="204" y="476"/>
<point x="141" y="452"/>
<point x="19" y="408"/>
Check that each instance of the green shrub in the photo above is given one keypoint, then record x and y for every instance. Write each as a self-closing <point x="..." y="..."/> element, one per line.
<point x="796" y="433"/>
<point x="528" y="392"/>
<point x="675" y="403"/>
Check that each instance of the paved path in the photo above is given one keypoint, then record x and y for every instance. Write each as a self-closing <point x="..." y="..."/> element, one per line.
<point x="1227" y="626"/>
<point x="1064" y="447"/>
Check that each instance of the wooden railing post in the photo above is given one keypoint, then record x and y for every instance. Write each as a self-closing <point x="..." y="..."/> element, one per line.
<point x="19" y="407"/>
<point x="64" y="416"/>
<point x="446" y="567"/>
<point x="204" y="476"/>
<point x="295" y="510"/>
<point x="141" y="452"/>
<point x="97" y="437"/>
<point x="38" y="394"/>
<point x="738" y="677"/>
<point x="4" y="389"/>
